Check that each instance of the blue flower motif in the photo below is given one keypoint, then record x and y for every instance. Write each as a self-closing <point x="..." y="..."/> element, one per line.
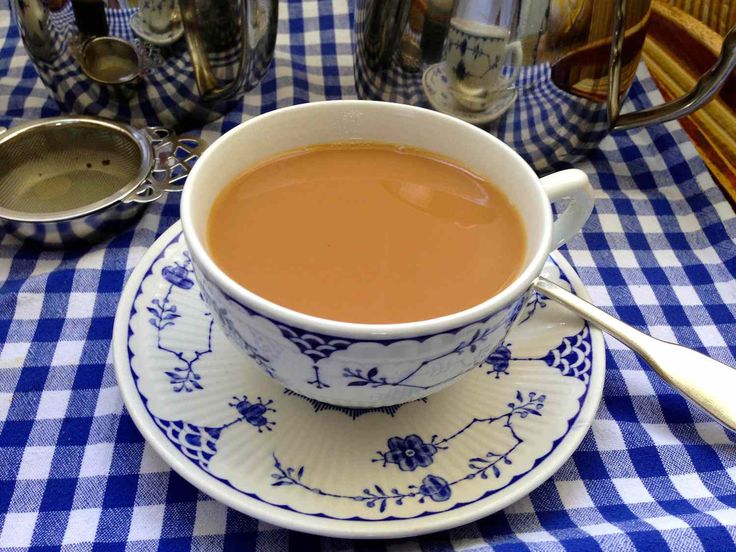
<point x="499" y="361"/>
<point x="436" y="488"/>
<point x="254" y="412"/>
<point x="409" y="453"/>
<point x="177" y="275"/>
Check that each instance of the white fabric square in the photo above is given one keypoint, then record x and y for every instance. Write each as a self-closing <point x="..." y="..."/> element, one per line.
<point x="210" y="519"/>
<point x="92" y="260"/>
<point x="660" y="434"/>
<point x="573" y="494"/>
<point x="722" y="208"/>
<point x="608" y="435"/>
<point x="312" y="37"/>
<point x="689" y="485"/>
<point x="663" y="332"/>
<point x="521" y="506"/>
<point x="643" y="295"/>
<point x="53" y="404"/>
<point x="707" y="255"/>
<point x="36" y="462"/>
<point x="67" y="353"/>
<point x="44" y="265"/>
<point x="109" y="401"/>
<point x="727" y="516"/>
<point x="688" y="223"/>
<point x="81" y="304"/>
<point x="650" y="224"/>
<point x="147" y="522"/>
<point x="637" y="382"/>
<point x="14" y="354"/>
<point x="712" y="433"/>
<point x="601" y="529"/>
<point x="610" y="222"/>
<point x="600" y="296"/>
<point x="687" y="295"/>
<point x="581" y="257"/>
<point x="18" y="529"/>
<point x="732" y="473"/>
<point x="666" y="522"/>
<point x="136" y="251"/>
<point x="535" y="536"/>
<point x="710" y="336"/>
<point x="5" y="400"/>
<point x="727" y="291"/>
<point x="96" y="460"/>
<point x="632" y="490"/>
<point x="666" y="258"/>
<point x="151" y="462"/>
<point x="28" y="306"/>
<point x="614" y="344"/>
<point x="82" y="526"/>
<point x="625" y="258"/>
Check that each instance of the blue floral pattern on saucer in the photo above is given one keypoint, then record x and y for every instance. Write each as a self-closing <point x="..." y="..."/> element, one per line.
<point x="236" y="434"/>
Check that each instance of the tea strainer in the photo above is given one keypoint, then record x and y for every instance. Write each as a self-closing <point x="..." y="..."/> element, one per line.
<point x="71" y="179"/>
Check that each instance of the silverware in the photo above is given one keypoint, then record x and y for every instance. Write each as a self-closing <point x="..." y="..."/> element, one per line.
<point x="67" y="180"/>
<point x="111" y="60"/>
<point x="706" y="382"/>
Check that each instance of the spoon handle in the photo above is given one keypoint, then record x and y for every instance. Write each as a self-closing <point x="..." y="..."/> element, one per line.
<point x="708" y="383"/>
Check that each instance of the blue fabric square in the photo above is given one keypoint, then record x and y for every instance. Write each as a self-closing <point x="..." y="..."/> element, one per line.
<point x="59" y="495"/>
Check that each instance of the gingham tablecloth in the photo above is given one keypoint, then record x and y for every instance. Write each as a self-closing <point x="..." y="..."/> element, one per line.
<point x="652" y="474"/>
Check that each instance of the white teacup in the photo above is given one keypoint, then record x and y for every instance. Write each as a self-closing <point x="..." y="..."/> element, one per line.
<point x="476" y="55"/>
<point x="373" y="365"/>
<point x="157" y="14"/>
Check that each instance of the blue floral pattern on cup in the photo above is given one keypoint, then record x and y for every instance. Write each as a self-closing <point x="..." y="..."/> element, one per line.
<point x="363" y="374"/>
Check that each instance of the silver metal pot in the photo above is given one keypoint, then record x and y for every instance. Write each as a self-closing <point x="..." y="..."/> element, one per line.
<point x="72" y="180"/>
<point x="101" y="58"/>
<point x="578" y="61"/>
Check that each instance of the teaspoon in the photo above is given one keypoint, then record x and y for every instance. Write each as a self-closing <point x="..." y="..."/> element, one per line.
<point x="708" y="383"/>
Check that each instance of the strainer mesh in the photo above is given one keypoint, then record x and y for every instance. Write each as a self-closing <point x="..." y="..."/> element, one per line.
<point x="59" y="168"/>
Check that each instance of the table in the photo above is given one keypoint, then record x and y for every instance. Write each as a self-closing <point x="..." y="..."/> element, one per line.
<point x="658" y="252"/>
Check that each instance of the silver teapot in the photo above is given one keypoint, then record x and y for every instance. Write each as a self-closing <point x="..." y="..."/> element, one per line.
<point x="155" y="63"/>
<point x="548" y="77"/>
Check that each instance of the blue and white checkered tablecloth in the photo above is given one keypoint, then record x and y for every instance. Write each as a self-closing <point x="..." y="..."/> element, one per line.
<point x="652" y="474"/>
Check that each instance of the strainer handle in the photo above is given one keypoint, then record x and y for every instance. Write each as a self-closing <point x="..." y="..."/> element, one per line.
<point x="174" y="156"/>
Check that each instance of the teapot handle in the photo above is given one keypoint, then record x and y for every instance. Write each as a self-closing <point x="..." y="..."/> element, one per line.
<point x="707" y="86"/>
<point x="252" y="24"/>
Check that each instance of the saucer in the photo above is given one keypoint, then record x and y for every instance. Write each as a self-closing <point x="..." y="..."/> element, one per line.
<point x="456" y="456"/>
<point x="159" y="39"/>
<point x="440" y="98"/>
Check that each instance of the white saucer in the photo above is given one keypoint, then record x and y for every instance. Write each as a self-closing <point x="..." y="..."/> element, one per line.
<point x="457" y="456"/>
<point x="434" y="81"/>
<point x="159" y="39"/>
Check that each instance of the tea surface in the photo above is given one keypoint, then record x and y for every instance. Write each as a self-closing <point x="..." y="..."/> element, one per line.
<point x="366" y="233"/>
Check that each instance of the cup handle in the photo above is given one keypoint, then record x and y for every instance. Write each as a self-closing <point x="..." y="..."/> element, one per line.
<point x="571" y="184"/>
<point x="514" y="49"/>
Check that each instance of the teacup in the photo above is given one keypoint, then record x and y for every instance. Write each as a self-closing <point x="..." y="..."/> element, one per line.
<point x="157" y="14"/>
<point x="373" y="365"/>
<point x="476" y="54"/>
